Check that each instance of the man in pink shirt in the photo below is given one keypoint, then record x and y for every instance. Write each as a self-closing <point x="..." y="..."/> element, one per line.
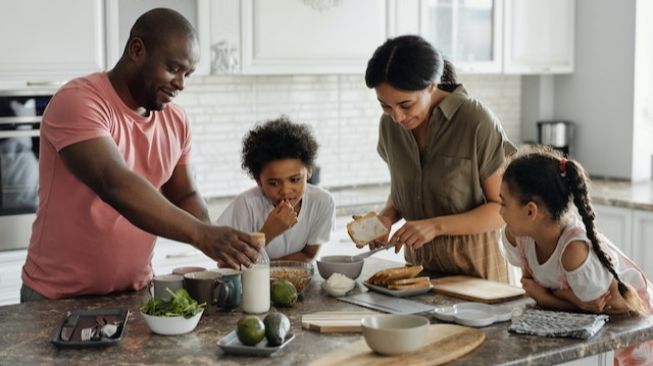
<point x="114" y="173"/>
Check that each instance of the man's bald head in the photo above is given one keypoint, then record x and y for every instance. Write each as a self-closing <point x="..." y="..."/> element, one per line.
<point x="158" y="25"/>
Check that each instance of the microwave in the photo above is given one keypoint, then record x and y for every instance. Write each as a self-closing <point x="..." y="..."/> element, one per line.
<point x="20" y="120"/>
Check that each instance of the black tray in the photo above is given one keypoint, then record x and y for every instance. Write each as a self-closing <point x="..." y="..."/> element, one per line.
<point x="87" y="320"/>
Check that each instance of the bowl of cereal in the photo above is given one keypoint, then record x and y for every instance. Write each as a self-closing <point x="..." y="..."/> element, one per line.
<point x="297" y="272"/>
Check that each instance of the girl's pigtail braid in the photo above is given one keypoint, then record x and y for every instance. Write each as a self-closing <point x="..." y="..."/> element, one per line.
<point x="578" y="188"/>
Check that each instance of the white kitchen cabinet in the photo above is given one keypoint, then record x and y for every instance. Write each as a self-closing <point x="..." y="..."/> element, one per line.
<point x="468" y="32"/>
<point x="44" y="43"/>
<point x="642" y="238"/>
<point x="296" y="37"/>
<point x="11" y="266"/>
<point x="616" y="223"/>
<point x="631" y="230"/>
<point x="539" y="36"/>
<point x="121" y="15"/>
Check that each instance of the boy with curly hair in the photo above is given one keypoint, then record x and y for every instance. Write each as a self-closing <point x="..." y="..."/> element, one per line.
<point x="296" y="217"/>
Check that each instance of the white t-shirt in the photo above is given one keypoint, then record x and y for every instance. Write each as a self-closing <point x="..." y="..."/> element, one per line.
<point x="317" y="218"/>
<point x="590" y="280"/>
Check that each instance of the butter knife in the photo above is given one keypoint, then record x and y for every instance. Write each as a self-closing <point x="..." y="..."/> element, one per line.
<point x="68" y="327"/>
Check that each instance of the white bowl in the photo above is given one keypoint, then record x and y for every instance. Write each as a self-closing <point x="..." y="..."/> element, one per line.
<point x="331" y="264"/>
<point x="395" y="334"/>
<point x="172" y="325"/>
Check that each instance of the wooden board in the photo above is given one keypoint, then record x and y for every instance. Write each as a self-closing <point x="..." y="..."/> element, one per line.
<point x="476" y="289"/>
<point x="335" y="321"/>
<point x="445" y="343"/>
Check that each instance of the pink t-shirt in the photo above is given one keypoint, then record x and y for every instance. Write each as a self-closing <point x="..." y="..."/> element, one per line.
<point x="81" y="245"/>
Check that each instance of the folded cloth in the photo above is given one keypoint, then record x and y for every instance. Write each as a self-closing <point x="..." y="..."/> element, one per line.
<point x="558" y="324"/>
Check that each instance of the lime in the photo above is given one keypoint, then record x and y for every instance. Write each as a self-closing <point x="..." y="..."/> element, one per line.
<point x="283" y="293"/>
<point x="251" y="330"/>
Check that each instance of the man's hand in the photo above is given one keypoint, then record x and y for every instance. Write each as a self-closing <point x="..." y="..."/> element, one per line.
<point x="282" y="218"/>
<point x="229" y="247"/>
<point x="415" y="234"/>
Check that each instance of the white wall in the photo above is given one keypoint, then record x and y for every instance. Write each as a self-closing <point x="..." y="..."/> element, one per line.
<point x="344" y="115"/>
<point x="643" y="105"/>
<point x="598" y="96"/>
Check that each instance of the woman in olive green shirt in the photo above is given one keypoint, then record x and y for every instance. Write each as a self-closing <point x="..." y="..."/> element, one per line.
<point x="444" y="151"/>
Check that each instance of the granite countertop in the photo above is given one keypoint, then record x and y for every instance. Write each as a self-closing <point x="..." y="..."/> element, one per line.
<point x="361" y="199"/>
<point x="637" y="195"/>
<point x="26" y="330"/>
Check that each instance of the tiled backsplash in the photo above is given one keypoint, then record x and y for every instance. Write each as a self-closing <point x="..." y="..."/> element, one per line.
<point x="344" y="115"/>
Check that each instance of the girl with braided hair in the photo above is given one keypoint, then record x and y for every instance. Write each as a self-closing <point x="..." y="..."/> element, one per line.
<point x="566" y="263"/>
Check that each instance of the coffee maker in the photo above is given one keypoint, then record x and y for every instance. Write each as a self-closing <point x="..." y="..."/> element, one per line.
<point x="556" y="134"/>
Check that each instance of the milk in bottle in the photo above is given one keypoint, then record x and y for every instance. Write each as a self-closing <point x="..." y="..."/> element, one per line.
<point x="256" y="282"/>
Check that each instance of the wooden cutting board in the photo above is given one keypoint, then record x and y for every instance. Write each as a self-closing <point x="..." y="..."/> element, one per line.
<point x="445" y="343"/>
<point x="476" y="289"/>
<point x="335" y="321"/>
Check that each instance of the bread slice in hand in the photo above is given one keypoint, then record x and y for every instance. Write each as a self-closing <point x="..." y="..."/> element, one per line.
<point x="366" y="229"/>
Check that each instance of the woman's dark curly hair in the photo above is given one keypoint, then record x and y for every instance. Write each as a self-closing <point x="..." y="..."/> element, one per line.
<point x="275" y="140"/>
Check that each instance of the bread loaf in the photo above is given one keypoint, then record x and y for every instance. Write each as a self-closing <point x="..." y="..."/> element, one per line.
<point x="366" y="229"/>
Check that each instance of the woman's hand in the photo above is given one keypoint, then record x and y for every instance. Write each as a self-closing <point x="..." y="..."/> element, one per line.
<point x="416" y="233"/>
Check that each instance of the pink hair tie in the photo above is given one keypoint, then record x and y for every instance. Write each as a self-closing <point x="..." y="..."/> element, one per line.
<point x="563" y="167"/>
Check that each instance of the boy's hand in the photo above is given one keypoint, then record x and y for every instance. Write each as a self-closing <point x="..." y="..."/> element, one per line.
<point x="282" y="218"/>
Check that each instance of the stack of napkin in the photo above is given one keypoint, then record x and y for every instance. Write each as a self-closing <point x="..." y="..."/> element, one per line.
<point x="558" y="324"/>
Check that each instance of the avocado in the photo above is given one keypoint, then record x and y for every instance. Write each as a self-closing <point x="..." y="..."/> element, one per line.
<point x="251" y="330"/>
<point x="277" y="327"/>
<point x="283" y="293"/>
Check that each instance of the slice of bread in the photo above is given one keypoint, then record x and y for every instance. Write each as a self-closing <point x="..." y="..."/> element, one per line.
<point x="386" y="276"/>
<point x="366" y="229"/>
<point x="410" y="281"/>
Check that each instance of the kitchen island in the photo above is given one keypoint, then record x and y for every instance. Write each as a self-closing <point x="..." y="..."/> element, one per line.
<point x="26" y="331"/>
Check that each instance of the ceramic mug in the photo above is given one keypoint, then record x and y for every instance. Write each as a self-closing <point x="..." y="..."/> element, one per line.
<point x="232" y="280"/>
<point x="159" y="284"/>
<point x="212" y="288"/>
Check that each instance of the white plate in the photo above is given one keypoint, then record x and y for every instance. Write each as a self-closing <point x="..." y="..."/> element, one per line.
<point x="474" y="318"/>
<point x="398" y="293"/>
<point x="230" y="344"/>
<point x="473" y="314"/>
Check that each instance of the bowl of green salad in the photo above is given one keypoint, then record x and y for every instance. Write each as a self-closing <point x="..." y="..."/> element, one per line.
<point x="179" y="315"/>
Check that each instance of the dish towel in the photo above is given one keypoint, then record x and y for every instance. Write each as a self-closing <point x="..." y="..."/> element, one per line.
<point x="558" y="324"/>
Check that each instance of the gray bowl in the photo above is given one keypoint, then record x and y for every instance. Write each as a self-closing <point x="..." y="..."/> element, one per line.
<point x="339" y="264"/>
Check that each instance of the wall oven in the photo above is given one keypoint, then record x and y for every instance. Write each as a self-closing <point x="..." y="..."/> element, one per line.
<point x="20" y="119"/>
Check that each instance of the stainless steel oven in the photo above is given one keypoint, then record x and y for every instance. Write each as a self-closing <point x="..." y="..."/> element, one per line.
<point x="20" y="119"/>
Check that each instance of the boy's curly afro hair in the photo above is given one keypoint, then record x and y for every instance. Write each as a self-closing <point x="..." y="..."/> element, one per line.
<point x="275" y="140"/>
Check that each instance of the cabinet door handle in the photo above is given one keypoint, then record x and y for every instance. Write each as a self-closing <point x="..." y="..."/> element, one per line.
<point x="181" y="255"/>
<point x="46" y="83"/>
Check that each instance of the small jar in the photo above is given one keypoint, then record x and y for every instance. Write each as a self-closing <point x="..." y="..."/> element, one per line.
<point x="256" y="281"/>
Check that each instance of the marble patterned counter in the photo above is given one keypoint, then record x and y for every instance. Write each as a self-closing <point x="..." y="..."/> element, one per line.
<point x="26" y="330"/>
<point x="638" y="195"/>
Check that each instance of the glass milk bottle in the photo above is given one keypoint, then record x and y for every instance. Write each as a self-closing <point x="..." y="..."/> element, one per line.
<point x="256" y="282"/>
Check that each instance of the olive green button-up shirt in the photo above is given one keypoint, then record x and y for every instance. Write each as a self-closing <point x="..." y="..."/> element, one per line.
<point x="465" y="145"/>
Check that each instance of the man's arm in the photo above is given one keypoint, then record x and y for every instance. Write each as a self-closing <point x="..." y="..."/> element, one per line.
<point x="99" y="164"/>
<point x="181" y="190"/>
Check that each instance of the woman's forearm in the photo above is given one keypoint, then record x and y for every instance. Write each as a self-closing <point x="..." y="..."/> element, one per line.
<point x="479" y="220"/>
